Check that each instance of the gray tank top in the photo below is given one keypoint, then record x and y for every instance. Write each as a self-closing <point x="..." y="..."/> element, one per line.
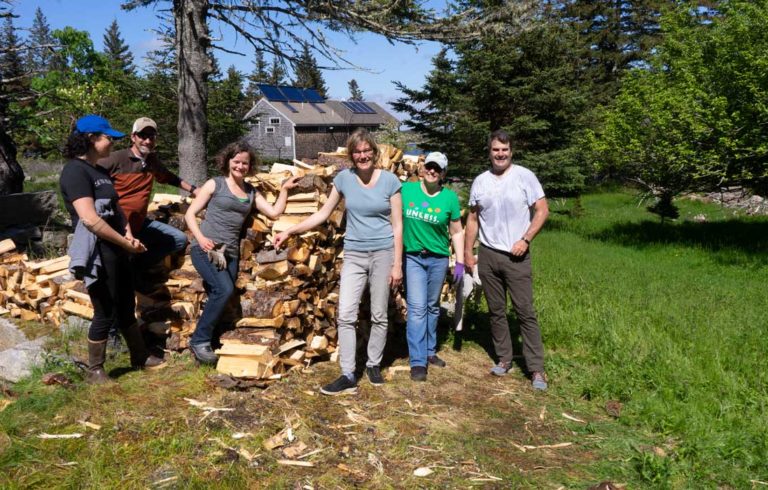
<point x="225" y="215"/>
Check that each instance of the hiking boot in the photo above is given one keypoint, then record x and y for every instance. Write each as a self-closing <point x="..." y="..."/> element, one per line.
<point x="141" y="358"/>
<point x="204" y="353"/>
<point x="539" y="381"/>
<point x="436" y="361"/>
<point x="418" y="373"/>
<point x="342" y="386"/>
<point x="501" y="369"/>
<point x="374" y="375"/>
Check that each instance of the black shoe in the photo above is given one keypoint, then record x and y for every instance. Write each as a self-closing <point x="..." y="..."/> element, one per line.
<point x="203" y="353"/>
<point x="418" y="373"/>
<point x="374" y="375"/>
<point x="342" y="386"/>
<point x="436" y="361"/>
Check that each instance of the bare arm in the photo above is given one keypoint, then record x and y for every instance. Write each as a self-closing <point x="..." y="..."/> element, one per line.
<point x="273" y="211"/>
<point x="86" y="211"/>
<point x="470" y="235"/>
<point x="540" y="214"/>
<point x="200" y="202"/>
<point x="457" y="239"/>
<point x="396" y="218"/>
<point x="317" y="218"/>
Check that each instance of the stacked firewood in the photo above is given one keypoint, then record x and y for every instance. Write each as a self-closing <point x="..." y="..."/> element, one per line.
<point x="285" y="314"/>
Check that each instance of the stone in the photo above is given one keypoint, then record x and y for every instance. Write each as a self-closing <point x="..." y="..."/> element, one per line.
<point x="17" y="362"/>
<point x="27" y="208"/>
<point x="10" y="335"/>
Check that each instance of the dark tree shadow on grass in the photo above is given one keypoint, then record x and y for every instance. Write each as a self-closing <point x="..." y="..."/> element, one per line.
<point x="732" y="242"/>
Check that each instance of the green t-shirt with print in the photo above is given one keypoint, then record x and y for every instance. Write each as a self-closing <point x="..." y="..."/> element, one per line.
<point x="426" y="218"/>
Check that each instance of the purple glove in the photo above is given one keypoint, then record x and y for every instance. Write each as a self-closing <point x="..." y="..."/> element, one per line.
<point x="458" y="272"/>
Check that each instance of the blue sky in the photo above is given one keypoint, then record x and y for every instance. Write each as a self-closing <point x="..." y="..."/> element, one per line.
<point x="386" y="62"/>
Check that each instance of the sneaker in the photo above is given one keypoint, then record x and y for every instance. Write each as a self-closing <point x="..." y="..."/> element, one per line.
<point x="501" y="369"/>
<point x="539" y="381"/>
<point x="436" y="361"/>
<point x="418" y="373"/>
<point x="342" y="386"/>
<point x="204" y="353"/>
<point x="374" y="375"/>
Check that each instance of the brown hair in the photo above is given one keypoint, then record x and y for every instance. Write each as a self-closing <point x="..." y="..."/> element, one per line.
<point x="232" y="149"/>
<point x="501" y="136"/>
<point x="362" y="135"/>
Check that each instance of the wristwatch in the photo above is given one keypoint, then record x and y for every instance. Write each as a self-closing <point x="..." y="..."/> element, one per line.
<point x="526" y="241"/>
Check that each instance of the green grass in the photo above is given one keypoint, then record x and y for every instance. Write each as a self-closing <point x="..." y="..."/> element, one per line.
<point x="671" y="320"/>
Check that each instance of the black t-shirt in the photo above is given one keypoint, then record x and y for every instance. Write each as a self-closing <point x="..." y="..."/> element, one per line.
<point x="81" y="179"/>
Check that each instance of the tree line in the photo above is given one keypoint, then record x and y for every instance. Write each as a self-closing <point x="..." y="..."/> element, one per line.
<point x="668" y="95"/>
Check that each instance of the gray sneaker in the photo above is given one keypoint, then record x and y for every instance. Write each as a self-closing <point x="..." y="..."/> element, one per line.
<point x="204" y="353"/>
<point x="539" y="381"/>
<point x="501" y="369"/>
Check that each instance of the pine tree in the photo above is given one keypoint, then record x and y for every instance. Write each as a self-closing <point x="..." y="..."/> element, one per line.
<point x="119" y="54"/>
<point x="276" y="73"/>
<point x="40" y="51"/>
<point x="257" y="76"/>
<point x="227" y="106"/>
<point x="354" y="91"/>
<point x="308" y="74"/>
<point x="11" y="63"/>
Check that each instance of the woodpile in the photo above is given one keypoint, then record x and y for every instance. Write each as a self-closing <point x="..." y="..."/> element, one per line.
<point x="285" y="315"/>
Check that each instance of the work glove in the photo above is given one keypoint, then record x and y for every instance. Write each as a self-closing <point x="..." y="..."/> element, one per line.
<point x="458" y="272"/>
<point x="216" y="256"/>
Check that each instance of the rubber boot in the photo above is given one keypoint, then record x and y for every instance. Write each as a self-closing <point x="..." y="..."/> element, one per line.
<point x="140" y="356"/>
<point x="97" y="353"/>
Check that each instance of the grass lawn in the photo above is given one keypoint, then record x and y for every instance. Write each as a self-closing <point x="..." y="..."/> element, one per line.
<point x="655" y="338"/>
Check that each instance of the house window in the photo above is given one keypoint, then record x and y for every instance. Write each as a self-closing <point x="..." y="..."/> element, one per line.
<point x="269" y="129"/>
<point x="275" y="121"/>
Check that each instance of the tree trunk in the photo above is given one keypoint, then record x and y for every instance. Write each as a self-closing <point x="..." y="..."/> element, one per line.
<point x="11" y="173"/>
<point x="192" y="44"/>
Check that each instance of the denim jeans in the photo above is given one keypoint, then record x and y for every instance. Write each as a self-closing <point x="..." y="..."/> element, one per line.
<point x="424" y="278"/>
<point x="359" y="269"/>
<point x="160" y="239"/>
<point x="220" y="285"/>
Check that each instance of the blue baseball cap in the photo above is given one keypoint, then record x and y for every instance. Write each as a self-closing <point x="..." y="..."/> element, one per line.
<point x="96" y="124"/>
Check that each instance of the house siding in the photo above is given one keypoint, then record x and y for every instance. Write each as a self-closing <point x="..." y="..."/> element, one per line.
<point x="271" y="145"/>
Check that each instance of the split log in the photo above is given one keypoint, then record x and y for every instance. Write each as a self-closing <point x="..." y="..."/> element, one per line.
<point x="261" y="304"/>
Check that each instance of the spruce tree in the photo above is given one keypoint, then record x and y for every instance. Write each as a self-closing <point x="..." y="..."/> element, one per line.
<point x="308" y="74"/>
<point x="354" y="91"/>
<point x="118" y="53"/>
<point x="11" y="63"/>
<point x="276" y="73"/>
<point x="257" y="76"/>
<point x="40" y="51"/>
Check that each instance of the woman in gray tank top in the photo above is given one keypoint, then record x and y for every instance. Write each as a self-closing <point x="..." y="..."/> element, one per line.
<point x="215" y="251"/>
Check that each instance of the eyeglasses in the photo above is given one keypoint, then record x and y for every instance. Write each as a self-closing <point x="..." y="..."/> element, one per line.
<point x="369" y="151"/>
<point x="146" y="136"/>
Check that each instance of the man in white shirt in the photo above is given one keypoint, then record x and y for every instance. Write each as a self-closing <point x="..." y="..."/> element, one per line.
<point x="507" y="207"/>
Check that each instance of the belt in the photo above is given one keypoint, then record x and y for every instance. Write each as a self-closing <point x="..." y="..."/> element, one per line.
<point x="426" y="253"/>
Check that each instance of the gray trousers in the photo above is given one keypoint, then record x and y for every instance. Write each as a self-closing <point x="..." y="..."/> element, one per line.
<point x="501" y="272"/>
<point x="359" y="269"/>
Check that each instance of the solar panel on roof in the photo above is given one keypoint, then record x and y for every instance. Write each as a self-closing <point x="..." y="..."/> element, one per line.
<point x="294" y="94"/>
<point x="358" y="107"/>
<point x="272" y="93"/>
<point x="290" y="107"/>
<point x="311" y="95"/>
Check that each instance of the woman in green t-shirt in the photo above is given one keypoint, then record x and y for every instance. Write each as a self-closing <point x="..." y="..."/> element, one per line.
<point x="431" y="222"/>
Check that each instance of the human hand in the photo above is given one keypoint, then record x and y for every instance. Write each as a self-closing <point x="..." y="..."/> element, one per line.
<point x="133" y="245"/>
<point x="396" y="276"/>
<point x="280" y="238"/>
<point x="291" y="182"/>
<point x="458" y="272"/>
<point x="470" y="261"/>
<point x="206" y="243"/>
<point x="519" y="248"/>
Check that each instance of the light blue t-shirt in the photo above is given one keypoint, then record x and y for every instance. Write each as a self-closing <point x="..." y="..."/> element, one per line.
<point x="368" y="211"/>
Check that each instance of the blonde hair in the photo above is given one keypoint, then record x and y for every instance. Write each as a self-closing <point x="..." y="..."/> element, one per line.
<point x="362" y="135"/>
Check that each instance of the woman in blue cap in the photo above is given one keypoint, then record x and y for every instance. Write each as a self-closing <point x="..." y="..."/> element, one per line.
<point x="99" y="253"/>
